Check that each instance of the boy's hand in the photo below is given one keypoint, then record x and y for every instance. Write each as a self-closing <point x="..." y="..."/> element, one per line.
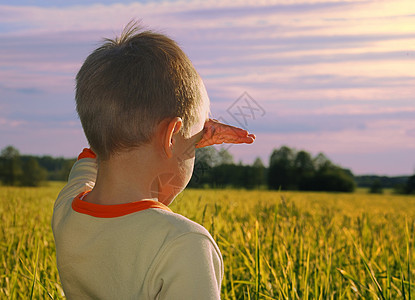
<point x="218" y="133"/>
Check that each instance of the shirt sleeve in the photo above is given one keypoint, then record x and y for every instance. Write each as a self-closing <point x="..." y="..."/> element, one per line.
<point x="191" y="267"/>
<point x="81" y="178"/>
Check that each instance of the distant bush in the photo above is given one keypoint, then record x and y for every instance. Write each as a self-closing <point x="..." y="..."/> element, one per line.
<point x="291" y="170"/>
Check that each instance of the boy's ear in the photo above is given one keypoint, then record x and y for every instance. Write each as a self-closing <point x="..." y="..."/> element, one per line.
<point x="173" y="127"/>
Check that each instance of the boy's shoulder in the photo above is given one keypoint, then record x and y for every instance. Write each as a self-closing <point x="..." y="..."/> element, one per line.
<point x="176" y="224"/>
<point x="173" y="232"/>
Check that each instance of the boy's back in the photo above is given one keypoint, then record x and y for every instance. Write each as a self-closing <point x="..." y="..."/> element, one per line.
<point x="111" y="252"/>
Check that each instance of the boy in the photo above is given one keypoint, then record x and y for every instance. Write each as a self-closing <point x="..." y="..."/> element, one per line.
<point x="144" y="110"/>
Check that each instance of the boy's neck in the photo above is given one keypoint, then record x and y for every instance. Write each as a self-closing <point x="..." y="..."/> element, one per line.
<point x="126" y="177"/>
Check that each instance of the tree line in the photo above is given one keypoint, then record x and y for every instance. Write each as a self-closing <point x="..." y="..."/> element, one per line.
<point x="28" y="170"/>
<point x="376" y="184"/>
<point x="288" y="169"/>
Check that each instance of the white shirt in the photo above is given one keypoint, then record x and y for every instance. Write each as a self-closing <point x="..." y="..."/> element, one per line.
<point x="130" y="251"/>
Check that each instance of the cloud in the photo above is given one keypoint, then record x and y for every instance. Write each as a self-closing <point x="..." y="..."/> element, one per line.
<point x="338" y="122"/>
<point x="411" y="132"/>
<point x="231" y="12"/>
<point x="22" y="90"/>
<point x="7" y="123"/>
<point x="199" y="14"/>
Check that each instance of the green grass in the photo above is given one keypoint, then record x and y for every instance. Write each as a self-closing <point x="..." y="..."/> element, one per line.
<point x="288" y="245"/>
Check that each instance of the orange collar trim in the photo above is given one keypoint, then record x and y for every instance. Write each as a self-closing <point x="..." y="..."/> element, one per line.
<point x="113" y="211"/>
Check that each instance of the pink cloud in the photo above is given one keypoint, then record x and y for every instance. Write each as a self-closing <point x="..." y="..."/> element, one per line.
<point x="411" y="132"/>
<point x="7" y="123"/>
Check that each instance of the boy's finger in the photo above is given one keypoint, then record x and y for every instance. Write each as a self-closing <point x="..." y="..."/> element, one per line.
<point x="221" y="127"/>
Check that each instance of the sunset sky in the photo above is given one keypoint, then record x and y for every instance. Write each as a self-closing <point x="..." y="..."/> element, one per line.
<point x="331" y="76"/>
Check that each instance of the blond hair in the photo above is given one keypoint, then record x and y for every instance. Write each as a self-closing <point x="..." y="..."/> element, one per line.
<point x="130" y="84"/>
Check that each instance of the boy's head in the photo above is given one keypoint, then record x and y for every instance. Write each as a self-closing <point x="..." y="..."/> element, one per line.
<point x="126" y="87"/>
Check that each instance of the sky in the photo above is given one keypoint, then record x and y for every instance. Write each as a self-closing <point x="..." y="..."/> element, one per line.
<point x="331" y="76"/>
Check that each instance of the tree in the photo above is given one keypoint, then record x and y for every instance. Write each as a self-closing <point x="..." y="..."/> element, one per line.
<point x="205" y="159"/>
<point x="10" y="165"/>
<point x="225" y="158"/>
<point x="333" y="179"/>
<point x="258" y="163"/>
<point x="207" y="155"/>
<point x="259" y="173"/>
<point x="303" y="163"/>
<point x="33" y="174"/>
<point x="231" y="175"/>
<point x="280" y="172"/>
<point x="304" y="170"/>
<point x="376" y="187"/>
<point x="225" y="175"/>
<point x="410" y="185"/>
<point x="63" y="173"/>
<point x="321" y="162"/>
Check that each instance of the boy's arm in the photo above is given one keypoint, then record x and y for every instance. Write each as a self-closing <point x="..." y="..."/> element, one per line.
<point x="81" y="178"/>
<point x="191" y="267"/>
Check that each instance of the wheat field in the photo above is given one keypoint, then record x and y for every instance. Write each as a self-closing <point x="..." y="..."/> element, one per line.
<point x="275" y="245"/>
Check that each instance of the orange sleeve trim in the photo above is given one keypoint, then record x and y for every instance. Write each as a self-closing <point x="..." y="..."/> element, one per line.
<point x="87" y="153"/>
<point x="113" y="211"/>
